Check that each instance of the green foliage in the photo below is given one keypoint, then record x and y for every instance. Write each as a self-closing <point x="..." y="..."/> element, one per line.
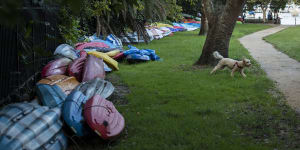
<point x="287" y="41"/>
<point x="276" y="5"/>
<point x="100" y="8"/>
<point x="173" y="10"/>
<point x="70" y="28"/>
<point x="9" y="7"/>
<point x="191" y="7"/>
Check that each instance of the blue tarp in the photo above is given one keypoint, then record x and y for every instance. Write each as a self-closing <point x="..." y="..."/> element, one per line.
<point x="138" y="54"/>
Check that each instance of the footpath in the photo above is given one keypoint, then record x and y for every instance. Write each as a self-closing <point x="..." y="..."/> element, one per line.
<point x="278" y="66"/>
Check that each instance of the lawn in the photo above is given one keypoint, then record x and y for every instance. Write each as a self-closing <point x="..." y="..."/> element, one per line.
<point x="174" y="106"/>
<point x="287" y="41"/>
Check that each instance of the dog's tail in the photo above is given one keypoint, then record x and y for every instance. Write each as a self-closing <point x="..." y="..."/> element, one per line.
<point x="217" y="55"/>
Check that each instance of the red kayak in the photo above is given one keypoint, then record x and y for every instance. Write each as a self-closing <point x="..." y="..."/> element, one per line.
<point x="56" y="67"/>
<point x="76" y="67"/>
<point x="87" y="67"/>
<point x="102" y="116"/>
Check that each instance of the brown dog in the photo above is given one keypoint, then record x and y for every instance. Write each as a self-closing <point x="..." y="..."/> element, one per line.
<point x="234" y="65"/>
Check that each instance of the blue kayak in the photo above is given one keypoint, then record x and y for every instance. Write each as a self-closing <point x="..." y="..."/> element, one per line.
<point x="72" y="113"/>
<point x="31" y="126"/>
<point x="50" y="95"/>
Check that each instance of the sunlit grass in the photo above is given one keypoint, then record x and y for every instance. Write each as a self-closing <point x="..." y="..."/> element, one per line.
<point x="287" y="41"/>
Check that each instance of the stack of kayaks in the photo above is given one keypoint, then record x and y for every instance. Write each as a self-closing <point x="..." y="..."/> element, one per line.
<point x="73" y="105"/>
<point x="73" y="85"/>
<point x="30" y="126"/>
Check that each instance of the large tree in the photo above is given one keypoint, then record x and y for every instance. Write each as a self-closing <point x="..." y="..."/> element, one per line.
<point x="221" y="16"/>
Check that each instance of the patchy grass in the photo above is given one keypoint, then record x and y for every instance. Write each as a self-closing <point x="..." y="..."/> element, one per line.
<point x="287" y="41"/>
<point x="172" y="105"/>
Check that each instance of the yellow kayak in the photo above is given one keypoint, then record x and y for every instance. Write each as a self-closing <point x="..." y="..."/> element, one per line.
<point x="113" y="53"/>
<point x="108" y="60"/>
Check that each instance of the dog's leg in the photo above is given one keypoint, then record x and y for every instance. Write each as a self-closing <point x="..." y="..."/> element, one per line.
<point x="223" y="68"/>
<point x="233" y="70"/>
<point x="242" y="73"/>
<point x="216" y="68"/>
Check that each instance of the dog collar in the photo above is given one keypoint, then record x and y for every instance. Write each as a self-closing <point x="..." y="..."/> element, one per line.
<point x="236" y="64"/>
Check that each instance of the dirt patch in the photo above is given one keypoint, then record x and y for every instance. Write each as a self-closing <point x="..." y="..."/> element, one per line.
<point x="121" y="90"/>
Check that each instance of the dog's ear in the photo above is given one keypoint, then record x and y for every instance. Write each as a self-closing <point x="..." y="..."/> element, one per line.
<point x="244" y="59"/>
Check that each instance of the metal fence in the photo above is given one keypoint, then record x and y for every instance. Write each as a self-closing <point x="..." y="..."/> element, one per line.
<point x="19" y="71"/>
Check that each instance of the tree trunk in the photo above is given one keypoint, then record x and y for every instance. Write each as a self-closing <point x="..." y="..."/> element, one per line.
<point x="264" y="14"/>
<point x="98" y="32"/>
<point x="222" y="18"/>
<point x="204" y="22"/>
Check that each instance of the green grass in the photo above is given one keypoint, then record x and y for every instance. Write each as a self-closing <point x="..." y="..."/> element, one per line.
<point x="287" y="41"/>
<point x="176" y="107"/>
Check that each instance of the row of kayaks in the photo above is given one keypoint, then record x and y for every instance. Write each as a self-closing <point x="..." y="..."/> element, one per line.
<point x="73" y="92"/>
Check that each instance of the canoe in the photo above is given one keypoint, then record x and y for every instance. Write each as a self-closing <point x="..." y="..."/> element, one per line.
<point x="93" y="68"/>
<point x="96" y="86"/>
<point x="67" y="84"/>
<point x="102" y="116"/>
<point x="30" y="126"/>
<point x="56" y="67"/>
<point x="72" y="113"/>
<point x="50" y="95"/>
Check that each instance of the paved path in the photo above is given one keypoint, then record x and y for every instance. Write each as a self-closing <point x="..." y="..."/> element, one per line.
<point x="278" y="66"/>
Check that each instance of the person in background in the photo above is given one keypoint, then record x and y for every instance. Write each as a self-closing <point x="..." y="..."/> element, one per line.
<point x="270" y="17"/>
<point x="244" y="16"/>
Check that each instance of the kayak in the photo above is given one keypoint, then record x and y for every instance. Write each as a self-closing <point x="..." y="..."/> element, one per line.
<point x="30" y="126"/>
<point x="56" y="67"/>
<point x="103" y="118"/>
<point x="93" y="68"/>
<point x="109" y="61"/>
<point x="76" y="67"/>
<point x="66" y="50"/>
<point x="50" y="95"/>
<point x="72" y="113"/>
<point x="96" y="86"/>
<point x="67" y="84"/>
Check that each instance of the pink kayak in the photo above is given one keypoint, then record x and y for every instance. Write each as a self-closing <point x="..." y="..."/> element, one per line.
<point x="102" y="116"/>
<point x="56" y="67"/>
